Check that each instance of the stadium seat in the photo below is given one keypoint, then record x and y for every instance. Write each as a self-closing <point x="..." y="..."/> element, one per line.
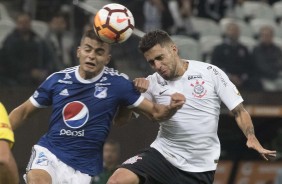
<point x="188" y="47"/>
<point x="245" y="28"/>
<point x="249" y="42"/>
<point x="255" y="9"/>
<point x="4" y="15"/>
<point x="277" y="9"/>
<point x="40" y="27"/>
<point x="278" y="41"/>
<point x="207" y="44"/>
<point x="205" y="26"/>
<point x="97" y="4"/>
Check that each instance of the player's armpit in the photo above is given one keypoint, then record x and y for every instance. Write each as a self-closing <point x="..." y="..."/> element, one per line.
<point x="122" y="116"/>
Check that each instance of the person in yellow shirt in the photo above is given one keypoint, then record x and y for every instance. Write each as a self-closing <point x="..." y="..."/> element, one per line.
<point x="8" y="167"/>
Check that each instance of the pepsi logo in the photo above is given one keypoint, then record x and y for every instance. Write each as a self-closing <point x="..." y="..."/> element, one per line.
<point x="75" y="114"/>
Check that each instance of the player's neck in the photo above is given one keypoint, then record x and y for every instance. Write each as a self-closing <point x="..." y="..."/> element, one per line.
<point x="181" y="68"/>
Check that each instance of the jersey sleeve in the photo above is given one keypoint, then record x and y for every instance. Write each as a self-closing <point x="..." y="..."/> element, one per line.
<point x="129" y="95"/>
<point x="148" y="94"/>
<point x="42" y="97"/>
<point x="225" y="89"/>
<point x="6" y="132"/>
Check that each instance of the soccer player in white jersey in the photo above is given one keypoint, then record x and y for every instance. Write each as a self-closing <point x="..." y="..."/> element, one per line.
<point x="84" y="101"/>
<point x="186" y="149"/>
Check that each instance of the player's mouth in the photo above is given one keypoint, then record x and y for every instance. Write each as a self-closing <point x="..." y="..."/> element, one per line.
<point x="90" y="64"/>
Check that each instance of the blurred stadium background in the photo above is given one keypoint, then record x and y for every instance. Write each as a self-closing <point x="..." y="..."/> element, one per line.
<point x="238" y="164"/>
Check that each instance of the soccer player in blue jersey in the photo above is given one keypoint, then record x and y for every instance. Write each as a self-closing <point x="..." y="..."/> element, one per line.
<point x="85" y="99"/>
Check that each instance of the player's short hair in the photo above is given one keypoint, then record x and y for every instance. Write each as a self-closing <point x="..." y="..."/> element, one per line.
<point x="153" y="38"/>
<point x="92" y="35"/>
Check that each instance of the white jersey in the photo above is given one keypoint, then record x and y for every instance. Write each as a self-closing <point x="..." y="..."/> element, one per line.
<point x="189" y="139"/>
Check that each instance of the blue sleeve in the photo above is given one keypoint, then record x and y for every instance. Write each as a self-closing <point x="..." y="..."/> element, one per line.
<point x="43" y="95"/>
<point x="128" y="94"/>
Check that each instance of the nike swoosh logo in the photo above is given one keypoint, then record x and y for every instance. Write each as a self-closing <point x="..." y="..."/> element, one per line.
<point x="160" y="93"/>
<point x="120" y="20"/>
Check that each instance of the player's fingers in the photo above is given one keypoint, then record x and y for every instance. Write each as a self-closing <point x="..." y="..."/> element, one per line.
<point x="178" y="97"/>
<point x="264" y="156"/>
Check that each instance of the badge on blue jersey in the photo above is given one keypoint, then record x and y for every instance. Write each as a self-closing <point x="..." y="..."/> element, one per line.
<point x="75" y="114"/>
<point x="100" y="92"/>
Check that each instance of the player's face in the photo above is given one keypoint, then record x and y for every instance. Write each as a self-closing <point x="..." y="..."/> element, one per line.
<point x="163" y="60"/>
<point x="93" y="56"/>
<point x="110" y="154"/>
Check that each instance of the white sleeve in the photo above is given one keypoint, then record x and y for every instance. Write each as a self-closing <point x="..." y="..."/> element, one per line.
<point x="148" y="94"/>
<point x="225" y="89"/>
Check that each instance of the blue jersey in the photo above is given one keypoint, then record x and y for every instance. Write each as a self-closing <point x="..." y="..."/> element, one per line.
<point x="82" y="114"/>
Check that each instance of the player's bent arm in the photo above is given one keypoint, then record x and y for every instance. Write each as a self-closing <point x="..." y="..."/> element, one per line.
<point x="244" y="121"/>
<point x="160" y="112"/>
<point x="8" y="168"/>
<point x="21" y="113"/>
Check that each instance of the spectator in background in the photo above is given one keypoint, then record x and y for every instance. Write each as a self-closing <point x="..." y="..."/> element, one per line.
<point x="25" y="55"/>
<point x="111" y="155"/>
<point x="157" y="15"/>
<point x="152" y="11"/>
<point x="181" y="11"/>
<point x="212" y="9"/>
<point x="268" y="56"/>
<point x="234" y="58"/>
<point x="60" y="42"/>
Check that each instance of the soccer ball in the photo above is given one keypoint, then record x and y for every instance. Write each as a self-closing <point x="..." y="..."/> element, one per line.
<point x="114" y="23"/>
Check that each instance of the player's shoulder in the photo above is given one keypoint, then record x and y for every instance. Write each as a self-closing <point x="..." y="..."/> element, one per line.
<point x="204" y="67"/>
<point x="65" y="73"/>
<point x="111" y="72"/>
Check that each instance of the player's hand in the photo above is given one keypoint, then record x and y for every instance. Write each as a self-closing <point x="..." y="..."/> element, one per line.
<point x="253" y="143"/>
<point x="141" y="84"/>
<point x="177" y="101"/>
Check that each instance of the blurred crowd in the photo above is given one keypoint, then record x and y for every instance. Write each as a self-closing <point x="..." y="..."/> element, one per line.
<point x="41" y="37"/>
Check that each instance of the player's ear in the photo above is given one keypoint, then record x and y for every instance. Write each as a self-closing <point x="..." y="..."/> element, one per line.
<point x="78" y="52"/>
<point x="108" y="59"/>
<point x="174" y="48"/>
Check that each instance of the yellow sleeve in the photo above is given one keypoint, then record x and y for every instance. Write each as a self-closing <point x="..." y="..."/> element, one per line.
<point x="5" y="127"/>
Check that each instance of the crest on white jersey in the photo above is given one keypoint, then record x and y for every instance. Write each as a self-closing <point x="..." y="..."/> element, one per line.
<point x="199" y="89"/>
<point x="100" y="92"/>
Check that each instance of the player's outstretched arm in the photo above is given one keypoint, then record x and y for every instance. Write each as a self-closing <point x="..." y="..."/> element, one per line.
<point x="21" y="113"/>
<point x="244" y="121"/>
<point x="8" y="168"/>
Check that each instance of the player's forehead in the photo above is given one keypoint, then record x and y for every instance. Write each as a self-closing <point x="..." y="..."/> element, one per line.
<point x="155" y="51"/>
<point x="95" y="44"/>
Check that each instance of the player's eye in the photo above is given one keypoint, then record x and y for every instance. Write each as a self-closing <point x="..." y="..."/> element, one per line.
<point x="100" y="52"/>
<point x="159" y="58"/>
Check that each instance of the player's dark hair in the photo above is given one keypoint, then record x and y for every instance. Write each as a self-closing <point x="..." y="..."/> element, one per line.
<point x="153" y="38"/>
<point x="92" y="35"/>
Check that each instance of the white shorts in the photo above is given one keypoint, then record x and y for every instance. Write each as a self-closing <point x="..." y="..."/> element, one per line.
<point x="42" y="158"/>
